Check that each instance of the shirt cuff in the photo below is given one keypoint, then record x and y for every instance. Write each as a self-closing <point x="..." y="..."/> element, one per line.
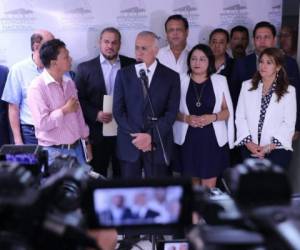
<point x="245" y="140"/>
<point x="276" y="142"/>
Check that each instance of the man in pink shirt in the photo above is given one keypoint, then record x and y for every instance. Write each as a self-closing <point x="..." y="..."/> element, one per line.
<point x="53" y="102"/>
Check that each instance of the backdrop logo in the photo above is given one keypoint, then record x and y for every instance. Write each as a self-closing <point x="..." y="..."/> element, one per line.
<point x="188" y="9"/>
<point x="133" y="15"/>
<point x="77" y="15"/>
<point x="19" y="18"/>
<point x="234" y="11"/>
<point x="275" y="13"/>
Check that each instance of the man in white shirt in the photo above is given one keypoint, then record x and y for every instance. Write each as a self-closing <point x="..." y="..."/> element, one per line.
<point x="175" y="54"/>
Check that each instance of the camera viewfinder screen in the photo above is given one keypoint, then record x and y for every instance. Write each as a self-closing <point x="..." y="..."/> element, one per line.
<point x="138" y="205"/>
<point x="22" y="158"/>
<point x="176" y="246"/>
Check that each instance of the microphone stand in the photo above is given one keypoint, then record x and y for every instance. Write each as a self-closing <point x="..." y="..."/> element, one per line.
<point x="153" y="120"/>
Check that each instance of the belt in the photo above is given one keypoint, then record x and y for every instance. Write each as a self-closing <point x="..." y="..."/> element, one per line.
<point x="27" y="126"/>
<point x="67" y="146"/>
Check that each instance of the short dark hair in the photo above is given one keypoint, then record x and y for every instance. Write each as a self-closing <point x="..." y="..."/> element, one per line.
<point x="264" y="24"/>
<point x="219" y="30"/>
<point x="178" y="17"/>
<point x="111" y="30"/>
<point x="35" y="38"/>
<point x="209" y="54"/>
<point x="50" y="50"/>
<point x="239" y="28"/>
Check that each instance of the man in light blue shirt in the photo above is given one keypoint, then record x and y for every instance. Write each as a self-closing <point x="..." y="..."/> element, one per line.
<point x="15" y="92"/>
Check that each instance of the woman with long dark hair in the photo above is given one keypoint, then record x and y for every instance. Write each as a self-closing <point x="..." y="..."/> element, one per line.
<point x="266" y="111"/>
<point x="204" y="125"/>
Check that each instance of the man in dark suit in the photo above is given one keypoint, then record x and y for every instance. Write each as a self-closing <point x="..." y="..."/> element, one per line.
<point x="94" y="79"/>
<point x="117" y="213"/>
<point x="264" y="36"/>
<point x="4" y="125"/>
<point x="143" y="142"/>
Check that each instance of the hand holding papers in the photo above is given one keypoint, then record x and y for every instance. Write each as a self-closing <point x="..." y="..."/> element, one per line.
<point x="109" y="129"/>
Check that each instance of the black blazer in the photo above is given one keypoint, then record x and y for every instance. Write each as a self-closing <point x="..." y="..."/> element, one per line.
<point x="4" y="124"/>
<point x="131" y="110"/>
<point x="90" y="83"/>
<point x="244" y="69"/>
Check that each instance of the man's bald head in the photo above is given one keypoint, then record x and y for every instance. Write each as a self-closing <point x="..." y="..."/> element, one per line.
<point x="39" y="37"/>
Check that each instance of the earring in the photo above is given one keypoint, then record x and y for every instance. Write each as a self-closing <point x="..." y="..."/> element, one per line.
<point x="277" y="75"/>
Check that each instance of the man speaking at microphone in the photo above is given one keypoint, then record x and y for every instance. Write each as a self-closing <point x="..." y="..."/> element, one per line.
<point x="145" y="105"/>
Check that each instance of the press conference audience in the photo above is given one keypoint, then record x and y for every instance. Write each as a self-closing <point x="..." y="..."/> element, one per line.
<point x="266" y="111"/>
<point x="204" y="125"/>
<point x="94" y="79"/>
<point x="18" y="81"/>
<point x="54" y="105"/>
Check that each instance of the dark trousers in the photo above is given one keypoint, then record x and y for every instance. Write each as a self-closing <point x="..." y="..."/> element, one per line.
<point x="133" y="170"/>
<point x="28" y="134"/>
<point x="103" y="153"/>
<point x="279" y="157"/>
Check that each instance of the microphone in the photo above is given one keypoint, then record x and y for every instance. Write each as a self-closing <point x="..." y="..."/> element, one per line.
<point x="143" y="74"/>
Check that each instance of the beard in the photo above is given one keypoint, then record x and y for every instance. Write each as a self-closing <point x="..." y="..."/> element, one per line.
<point x="110" y="57"/>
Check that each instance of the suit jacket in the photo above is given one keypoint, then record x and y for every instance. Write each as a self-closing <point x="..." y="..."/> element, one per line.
<point x="90" y="83"/>
<point x="131" y="110"/>
<point x="245" y="68"/>
<point x="279" y="120"/>
<point x="4" y="124"/>
<point x="106" y="217"/>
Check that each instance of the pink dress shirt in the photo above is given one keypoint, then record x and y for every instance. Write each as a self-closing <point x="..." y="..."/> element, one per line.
<point x="46" y="97"/>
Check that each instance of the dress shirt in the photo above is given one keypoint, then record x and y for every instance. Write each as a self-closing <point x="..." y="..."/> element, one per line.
<point x="19" y="78"/>
<point x="46" y="98"/>
<point x="109" y="72"/>
<point x="166" y="57"/>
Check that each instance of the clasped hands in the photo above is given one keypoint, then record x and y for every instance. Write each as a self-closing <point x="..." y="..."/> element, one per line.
<point x="142" y="141"/>
<point x="259" y="151"/>
<point x="200" y="121"/>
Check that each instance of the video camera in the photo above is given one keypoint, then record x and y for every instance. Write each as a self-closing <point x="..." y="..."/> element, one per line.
<point x="257" y="215"/>
<point x="47" y="217"/>
<point x="32" y="157"/>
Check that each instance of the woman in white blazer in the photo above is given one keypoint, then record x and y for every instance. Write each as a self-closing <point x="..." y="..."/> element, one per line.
<point x="266" y="111"/>
<point x="204" y="125"/>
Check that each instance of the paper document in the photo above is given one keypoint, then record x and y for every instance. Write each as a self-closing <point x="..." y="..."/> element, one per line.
<point x="109" y="129"/>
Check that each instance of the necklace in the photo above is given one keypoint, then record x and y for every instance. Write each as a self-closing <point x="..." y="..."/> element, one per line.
<point x="199" y="96"/>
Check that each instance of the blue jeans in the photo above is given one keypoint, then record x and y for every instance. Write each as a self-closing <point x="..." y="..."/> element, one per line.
<point x="28" y="134"/>
<point x="76" y="151"/>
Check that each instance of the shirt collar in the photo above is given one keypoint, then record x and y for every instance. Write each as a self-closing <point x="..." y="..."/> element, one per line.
<point x="104" y="60"/>
<point x="40" y="70"/>
<point x="186" y="48"/>
<point x="152" y="67"/>
<point x="48" y="79"/>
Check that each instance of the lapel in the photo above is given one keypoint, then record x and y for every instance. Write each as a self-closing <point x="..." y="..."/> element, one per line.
<point x="154" y="85"/>
<point x="269" y="111"/>
<point x="254" y="105"/>
<point x="96" y="69"/>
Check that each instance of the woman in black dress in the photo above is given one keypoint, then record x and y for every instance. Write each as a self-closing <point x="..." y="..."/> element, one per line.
<point x="204" y="125"/>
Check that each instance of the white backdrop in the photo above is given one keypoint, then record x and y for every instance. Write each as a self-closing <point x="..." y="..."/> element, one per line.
<point x="78" y="22"/>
